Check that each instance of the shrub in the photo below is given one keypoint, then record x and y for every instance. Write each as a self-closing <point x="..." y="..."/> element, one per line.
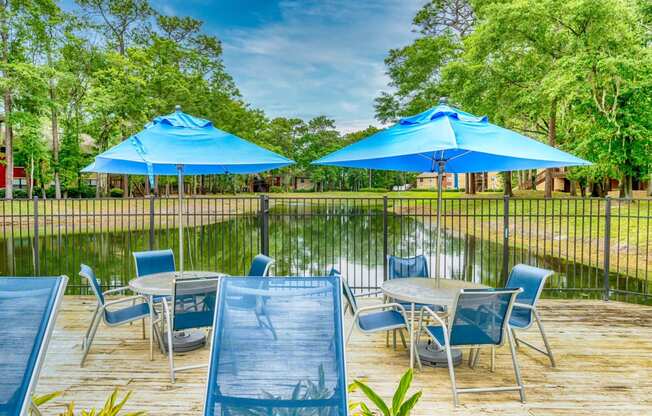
<point x="83" y="192"/>
<point x="373" y="190"/>
<point x="116" y="192"/>
<point x="20" y="193"/>
<point x="275" y="189"/>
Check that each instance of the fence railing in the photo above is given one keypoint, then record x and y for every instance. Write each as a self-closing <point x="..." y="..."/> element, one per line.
<point x="598" y="247"/>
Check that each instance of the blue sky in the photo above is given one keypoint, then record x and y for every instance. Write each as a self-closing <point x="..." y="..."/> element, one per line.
<point x="304" y="58"/>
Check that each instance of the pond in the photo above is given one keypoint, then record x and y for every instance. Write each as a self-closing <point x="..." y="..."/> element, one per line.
<point x="305" y="242"/>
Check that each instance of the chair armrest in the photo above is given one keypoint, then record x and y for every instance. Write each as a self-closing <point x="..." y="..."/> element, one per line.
<point x="381" y="307"/>
<point x="118" y="290"/>
<point x="523" y="305"/>
<point x="127" y="299"/>
<point x="433" y="315"/>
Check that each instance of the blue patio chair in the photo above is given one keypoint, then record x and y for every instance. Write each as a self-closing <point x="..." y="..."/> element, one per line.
<point x="301" y="373"/>
<point x="531" y="280"/>
<point x="194" y="308"/>
<point x="402" y="267"/>
<point x="374" y="318"/>
<point x="260" y="265"/>
<point x="28" y="310"/>
<point x="106" y="311"/>
<point x="479" y="318"/>
<point x="154" y="261"/>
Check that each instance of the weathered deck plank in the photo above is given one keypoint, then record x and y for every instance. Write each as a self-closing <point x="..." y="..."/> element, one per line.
<point x="603" y="349"/>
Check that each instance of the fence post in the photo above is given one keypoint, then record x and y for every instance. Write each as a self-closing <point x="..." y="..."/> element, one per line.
<point x="264" y="224"/>
<point x="37" y="261"/>
<point x="505" y="270"/>
<point x="385" y="237"/>
<point x="607" y="248"/>
<point x="151" y="221"/>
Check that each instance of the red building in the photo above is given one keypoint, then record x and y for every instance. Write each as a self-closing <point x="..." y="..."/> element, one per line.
<point x="20" y="177"/>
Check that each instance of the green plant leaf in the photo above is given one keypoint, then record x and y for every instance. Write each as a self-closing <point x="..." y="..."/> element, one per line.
<point x="39" y="400"/>
<point x="401" y="391"/>
<point x="375" y="398"/>
<point x="409" y="404"/>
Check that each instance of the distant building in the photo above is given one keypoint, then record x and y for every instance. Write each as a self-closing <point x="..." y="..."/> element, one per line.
<point x="20" y="177"/>
<point x="452" y="181"/>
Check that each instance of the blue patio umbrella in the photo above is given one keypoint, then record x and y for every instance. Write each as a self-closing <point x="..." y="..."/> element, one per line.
<point x="446" y="139"/>
<point x="180" y="144"/>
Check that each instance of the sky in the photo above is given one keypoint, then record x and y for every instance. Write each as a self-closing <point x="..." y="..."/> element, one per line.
<point x="305" y="58"/>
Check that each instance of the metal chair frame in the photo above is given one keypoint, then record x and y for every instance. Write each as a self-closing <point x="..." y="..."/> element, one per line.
<point x="474" y="348"/>
<point x="169" y="313"/>
<point x="537" y="319"/>
<point x="100" y="315"/>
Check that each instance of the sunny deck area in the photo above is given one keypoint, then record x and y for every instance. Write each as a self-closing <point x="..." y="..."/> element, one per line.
<point x="603" y="349"/>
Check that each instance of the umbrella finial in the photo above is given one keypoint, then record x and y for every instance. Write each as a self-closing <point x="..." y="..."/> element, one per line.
<point x="443" y="101"/>
<point x="177" y="108"/>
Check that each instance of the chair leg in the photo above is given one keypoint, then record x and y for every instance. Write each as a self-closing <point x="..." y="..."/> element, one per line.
<point x="493" y="358"/>
<point x="394" y="339"/>
<point x="271" y="327"/>
<point x="89" y="339"/>
<point x="476" y="358"/>
<point x="471" y="355"/>
<point x="451" y="372"/>
<point x="517" y="370"/>
<point x="518" y="345"/>
<point x="387" y="339"/>
<point x="545" y="339"/>
<point x="88" y="331"/>
<point x="400" y="332"/>
<point x="348" y="337"/>
<point x="170" y="341"/>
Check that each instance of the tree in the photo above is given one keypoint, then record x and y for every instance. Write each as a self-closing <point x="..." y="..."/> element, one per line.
<point x="21" y="27"/>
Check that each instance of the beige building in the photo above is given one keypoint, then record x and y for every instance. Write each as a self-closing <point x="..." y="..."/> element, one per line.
<point x="451" y="181"/>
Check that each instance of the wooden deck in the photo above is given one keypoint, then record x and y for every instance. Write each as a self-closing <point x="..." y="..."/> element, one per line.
<point x="603" y="349"/>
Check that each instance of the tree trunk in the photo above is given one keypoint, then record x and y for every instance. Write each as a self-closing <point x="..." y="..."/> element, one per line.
<point x="552" y="139"/>
<point x="55" y="135"/>
<point x="9" y="149"/>
<point x="9" y="142"/>
<point x="507" y="184"/>
<point x="125" y="185"/>
<point x="649" y="187"/>
<point x="30" y="184"/>
<point x="472" y="184"/>
<point x="573" y="188"/>
<point x="625" y="187"/>
<point x="148" y="190"/>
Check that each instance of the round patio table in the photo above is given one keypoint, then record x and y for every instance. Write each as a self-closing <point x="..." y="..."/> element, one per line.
<point x="428" y="291"/>
<point x="162" y="284"/>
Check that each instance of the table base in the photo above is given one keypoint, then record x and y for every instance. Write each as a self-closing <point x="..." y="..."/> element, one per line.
<point x="430" y="356"/>
<point x="186" y="341"/>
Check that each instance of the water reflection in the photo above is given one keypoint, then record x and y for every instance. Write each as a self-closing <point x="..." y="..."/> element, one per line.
<point x="305" y="240"/>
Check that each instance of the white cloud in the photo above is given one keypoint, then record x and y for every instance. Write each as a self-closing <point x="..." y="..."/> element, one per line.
<point x="320" y="58"/>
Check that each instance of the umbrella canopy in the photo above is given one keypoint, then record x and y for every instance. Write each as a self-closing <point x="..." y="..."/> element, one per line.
<point x="179" y="139"/>
<point x="445" y="139"/>
<point x="180" y="144"/>
<point x="443" y="134"/>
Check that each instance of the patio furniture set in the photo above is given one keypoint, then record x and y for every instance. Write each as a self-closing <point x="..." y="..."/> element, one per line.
<point x="287" y="343"/>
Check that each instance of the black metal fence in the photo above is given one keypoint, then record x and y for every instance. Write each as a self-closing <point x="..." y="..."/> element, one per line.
<point x="598" y="247"/>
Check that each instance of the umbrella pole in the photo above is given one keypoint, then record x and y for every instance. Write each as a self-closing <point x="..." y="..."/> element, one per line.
<point x="180" y="211"/>
<point x="440" y="181"/>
